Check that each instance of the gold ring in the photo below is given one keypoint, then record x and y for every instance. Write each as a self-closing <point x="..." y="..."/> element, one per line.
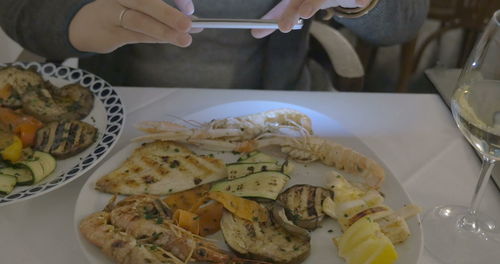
<point x="122" y="14"/>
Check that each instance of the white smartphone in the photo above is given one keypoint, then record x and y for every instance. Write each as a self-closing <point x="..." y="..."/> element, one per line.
<point x="240" y="23"/>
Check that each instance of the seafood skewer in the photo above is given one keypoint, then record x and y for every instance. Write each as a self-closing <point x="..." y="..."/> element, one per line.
<point x="234" y="128"/>
<point x="140" y="220"/>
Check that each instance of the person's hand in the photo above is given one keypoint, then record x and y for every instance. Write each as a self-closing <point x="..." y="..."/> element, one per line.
<point x="288" y="12"/>
<point x="105" y="25"/>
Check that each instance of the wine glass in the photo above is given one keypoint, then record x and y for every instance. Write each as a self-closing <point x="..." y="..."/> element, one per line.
<point x="459" y="234"/>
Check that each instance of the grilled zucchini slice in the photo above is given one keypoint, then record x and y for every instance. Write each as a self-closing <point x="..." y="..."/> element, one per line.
<point x="257" y="156"/>
<point x="7" y="183"/>
<point x="41" y="165"/>
<point x="238" y="170"/>
<point x="23" y="175"/>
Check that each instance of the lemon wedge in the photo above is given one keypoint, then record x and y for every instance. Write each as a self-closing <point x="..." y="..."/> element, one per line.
<point x="364" y="243"/>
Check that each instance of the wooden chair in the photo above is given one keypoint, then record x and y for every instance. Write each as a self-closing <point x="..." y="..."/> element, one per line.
<point x="469" y="15"/>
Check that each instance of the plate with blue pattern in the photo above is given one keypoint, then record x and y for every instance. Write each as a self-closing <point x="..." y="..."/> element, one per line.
<point x="107" y="115"/>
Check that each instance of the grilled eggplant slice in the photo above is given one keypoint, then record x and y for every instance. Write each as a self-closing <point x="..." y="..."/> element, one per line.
<point x="18" y="81"/>
<point x="304" y="204"/>
<point x="65" y="138"/>
<point x="71" y="102"/>
<point x="279" y="215"/>
<point x="265" y="241"/>
<point x="75" y="98"/>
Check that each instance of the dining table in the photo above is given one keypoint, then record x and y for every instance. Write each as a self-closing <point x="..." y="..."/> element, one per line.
<point x="414" y="135"/>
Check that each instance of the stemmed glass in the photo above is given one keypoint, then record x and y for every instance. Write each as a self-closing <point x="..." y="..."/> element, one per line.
<point x="459" y="234"/>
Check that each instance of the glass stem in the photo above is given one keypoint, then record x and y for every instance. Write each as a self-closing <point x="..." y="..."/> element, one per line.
<point x="468" y="222"/>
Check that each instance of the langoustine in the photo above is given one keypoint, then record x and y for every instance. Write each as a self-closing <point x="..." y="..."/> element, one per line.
<point x="258" y="131"/>
<point x="232" y="129"/>
<point x="139" y="227"/>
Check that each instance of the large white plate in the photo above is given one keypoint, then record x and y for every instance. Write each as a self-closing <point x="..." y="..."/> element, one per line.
<point x="322" y="248"/>
<point x="107" y="116"/>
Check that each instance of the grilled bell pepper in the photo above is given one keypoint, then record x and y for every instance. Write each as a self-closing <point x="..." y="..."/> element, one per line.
<point x="13" y="151"/>
<point x="23" y="126"/>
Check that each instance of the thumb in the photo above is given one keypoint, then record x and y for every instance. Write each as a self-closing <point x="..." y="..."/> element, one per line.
<point x="186" y="6"/>
<point x="274" y="13"/>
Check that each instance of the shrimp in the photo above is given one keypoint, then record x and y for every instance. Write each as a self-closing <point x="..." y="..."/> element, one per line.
<point x="231" y="129"/>
<point x="144" y="220"/>
<point x="120" y="246"/>
<point x="307" y="149"/>
<point x="257" y="131"/>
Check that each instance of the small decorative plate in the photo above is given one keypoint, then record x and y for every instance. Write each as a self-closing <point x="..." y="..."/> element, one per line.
<point x="108" y="116"/>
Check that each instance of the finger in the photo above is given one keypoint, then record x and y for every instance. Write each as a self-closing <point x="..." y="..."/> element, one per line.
<point x="130" y="37"/>
<point x="310" y="7"/>
<point x="363" y="3"/>
<point x="186" y="6"/>
<point x="141" y="23"/>
<point x="274" y="13"/>
<point x="353" y="3"/>
<point x="162" y="12"/>
<point x="290" y="16"/>
<point x="195" y="30"/>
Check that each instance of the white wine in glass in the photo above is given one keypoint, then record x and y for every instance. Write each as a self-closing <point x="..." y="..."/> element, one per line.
<point x="459" y="234"/>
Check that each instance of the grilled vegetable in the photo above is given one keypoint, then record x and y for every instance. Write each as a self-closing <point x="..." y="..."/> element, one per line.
<point x="210" y="216"/>
<point x="14" y="82"/>
<point x="256" y="156"/>
<point x="66" y="138"/>
<point x="7" y="183"/>
<point x="187" y="220"/>
<point x="279" y="216"/>
<point x="71" y="102"/>
<point x="238" y="170"/>
<point x="40" y="164"/>
<point x="241" y="207"/>
<point x="266" y="184"/>
<point x="187" y="199"/>
<point x="11" y="147"/>
<point x="303" y="204"/>
<point x="22" y="125"/>
<point x="23" y="175"/>
<point x="78" y="100"/>
<point x="266" y="241"/>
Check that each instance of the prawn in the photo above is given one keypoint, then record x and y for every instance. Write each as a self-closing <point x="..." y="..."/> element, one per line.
<point x="144" y="220"/>
<point x="231" y="129"/>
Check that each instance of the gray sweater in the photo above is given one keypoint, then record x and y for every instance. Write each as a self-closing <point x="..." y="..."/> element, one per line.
<point x="217" y="58"/>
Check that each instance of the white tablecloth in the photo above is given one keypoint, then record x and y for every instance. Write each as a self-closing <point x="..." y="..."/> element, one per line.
<point x="413" y="134"/>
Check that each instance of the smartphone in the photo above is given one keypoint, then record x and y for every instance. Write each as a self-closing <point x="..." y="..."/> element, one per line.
<point x="240" y="23"/>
